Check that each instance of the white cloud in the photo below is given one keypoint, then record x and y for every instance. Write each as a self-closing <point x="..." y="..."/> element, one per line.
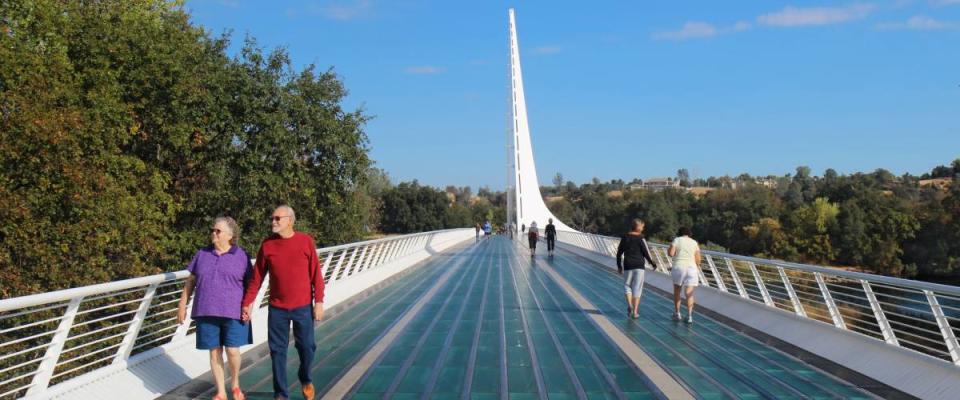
<point x="346" y="10"/>
<point x="794" y="16"/>
<point x="690" y="30"/>
<point x="697" y="30"/>
<point x="424" y="70"/>
<point x="920" y="23"/>
<point x="544" y="50"/>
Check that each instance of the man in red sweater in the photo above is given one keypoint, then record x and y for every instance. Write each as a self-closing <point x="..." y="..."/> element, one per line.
<point x="296" y="296"/>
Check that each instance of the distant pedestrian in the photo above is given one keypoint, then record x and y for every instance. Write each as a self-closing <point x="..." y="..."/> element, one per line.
<point x="551" y="232"/>
<point x="632" y="255"/>
<point x="533" y="235"/>
<point x="477" y="228"/>
<point x="217" y="276"/>
<point x="686" y="271"/>
<point x="487" y="229"/>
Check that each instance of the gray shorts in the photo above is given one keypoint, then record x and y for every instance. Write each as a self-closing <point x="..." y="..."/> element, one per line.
<point x="633" y="282"/>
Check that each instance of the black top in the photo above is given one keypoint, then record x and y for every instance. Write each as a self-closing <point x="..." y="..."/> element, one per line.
<point x="633" y="250"/>
<point x="551" y="231"/>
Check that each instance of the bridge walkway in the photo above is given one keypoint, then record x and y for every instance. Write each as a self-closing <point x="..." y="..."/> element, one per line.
<point x="486" y="321"/>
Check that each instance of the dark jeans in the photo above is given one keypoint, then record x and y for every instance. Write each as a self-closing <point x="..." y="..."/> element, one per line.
<point x="551" y="242"/>
<point x="278" y="335"/>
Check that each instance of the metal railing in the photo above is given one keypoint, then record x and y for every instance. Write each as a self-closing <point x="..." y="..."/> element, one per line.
<point x="49" y="338"/>
<point x="920" y="316"/>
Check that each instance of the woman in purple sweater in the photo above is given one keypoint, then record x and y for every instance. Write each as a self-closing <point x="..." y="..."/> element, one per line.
<point x="217" y="276"/>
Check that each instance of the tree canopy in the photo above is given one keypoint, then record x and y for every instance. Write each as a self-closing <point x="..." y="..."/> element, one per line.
<point x="124" y="130"/>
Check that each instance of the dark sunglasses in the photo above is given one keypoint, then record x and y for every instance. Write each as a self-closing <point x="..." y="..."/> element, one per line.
<point x="215" y="230"/>
<point x="277" y="219"/>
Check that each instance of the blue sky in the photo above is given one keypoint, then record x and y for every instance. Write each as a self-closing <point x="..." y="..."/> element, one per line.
<point x="631" y="89"/>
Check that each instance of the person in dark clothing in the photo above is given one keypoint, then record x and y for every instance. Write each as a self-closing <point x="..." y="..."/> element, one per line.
<point x="551" y="232"/>
<point x="631" y="254"/>
<point x="533" y="235"/>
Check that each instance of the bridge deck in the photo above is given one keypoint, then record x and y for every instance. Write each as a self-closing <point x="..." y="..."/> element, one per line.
<point x="485" y="321"/>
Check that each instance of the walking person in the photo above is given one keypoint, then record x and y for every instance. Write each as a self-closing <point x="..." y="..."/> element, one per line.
<point x="217" y="276"/>
<point x="477" y="228"/>
<point x="551" y="232"/>
<point x="533" y="235"/>
<point x="487" y="229"/>
<point x="686" y="271"/>
<point x="632" y="256"/>
<point x="296" y="297"/>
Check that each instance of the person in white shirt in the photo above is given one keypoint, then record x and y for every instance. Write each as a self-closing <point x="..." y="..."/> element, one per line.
<point x="686" y="271"/>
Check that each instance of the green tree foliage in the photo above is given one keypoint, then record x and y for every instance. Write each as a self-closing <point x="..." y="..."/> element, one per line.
<point x="875" y="221"/>
<point x="124" y="130"/>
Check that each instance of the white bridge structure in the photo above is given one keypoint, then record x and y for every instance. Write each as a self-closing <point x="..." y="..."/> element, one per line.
<point x="453" y="316"/>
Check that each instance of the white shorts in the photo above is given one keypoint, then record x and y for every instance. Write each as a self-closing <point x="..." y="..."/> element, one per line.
<point x="685" y="276"/>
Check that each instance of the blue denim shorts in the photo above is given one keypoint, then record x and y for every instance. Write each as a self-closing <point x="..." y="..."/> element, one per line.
<point x="214" y="332"/>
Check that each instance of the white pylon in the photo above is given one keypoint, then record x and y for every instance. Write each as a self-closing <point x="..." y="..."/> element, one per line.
<point x="524" y="202"/>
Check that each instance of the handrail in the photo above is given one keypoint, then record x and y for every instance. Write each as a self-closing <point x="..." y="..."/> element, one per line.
<point x="918" y="316"/>
<point x="126" y="319"/>
<point x="919" y="285"/>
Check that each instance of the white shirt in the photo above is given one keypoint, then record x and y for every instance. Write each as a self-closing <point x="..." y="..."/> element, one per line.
<point x="684" y="248"/>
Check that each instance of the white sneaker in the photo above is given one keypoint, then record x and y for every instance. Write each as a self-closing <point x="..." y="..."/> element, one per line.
<point x="676" y="317"/>
<point x="690" y="318"/>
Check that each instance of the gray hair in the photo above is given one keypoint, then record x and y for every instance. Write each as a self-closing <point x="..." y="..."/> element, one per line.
<point x="293" y="215"/>
<point x="232" y="225"/>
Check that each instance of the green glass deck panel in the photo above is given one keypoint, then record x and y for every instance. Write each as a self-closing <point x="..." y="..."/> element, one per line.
<point x="712" y="359"/>
<point x="501" y="328"/>
<point x="494" y="331"/>
<point x="345" y="337"/>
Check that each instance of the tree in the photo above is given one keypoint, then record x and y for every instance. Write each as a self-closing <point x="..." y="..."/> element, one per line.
<point x="125" y="130"/>
<point x="558" y="181"/>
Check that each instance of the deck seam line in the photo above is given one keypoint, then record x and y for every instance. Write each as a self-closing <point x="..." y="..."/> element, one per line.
<point x="665" y="296"/>
<point x="359" y="368"/>
<point x="448" y="340"/>
<point x="669" y="386"/>
<point x="567" y="366"/>
<point x="534" y="362"/>
<point x="472" y="360"/>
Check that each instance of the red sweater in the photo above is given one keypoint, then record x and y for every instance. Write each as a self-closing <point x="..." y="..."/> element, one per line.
<point x="294" y="268"/>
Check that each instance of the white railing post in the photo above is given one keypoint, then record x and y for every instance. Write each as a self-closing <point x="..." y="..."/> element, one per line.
<point x="260" y="294"/>
<point x="888" y="335"/>
<point x="760" y="285"/>
<point x="736" y="278"/>
<point x="181" y="331"/>
<point x="351" y="263"/>
<point x="831" y="305"/>
<point x="716" y="274"/>
<point x="949" y="339"/>
<point x="363" y="260"/>
<point x="797" y="306"/>
<point x="126" y="346"/>
<point x="391" y="249"/>
<point x="372" y="259"/>
<point x="41" y="379"/>
<point x="336" y="268"/>
<point x="326" y="263"/>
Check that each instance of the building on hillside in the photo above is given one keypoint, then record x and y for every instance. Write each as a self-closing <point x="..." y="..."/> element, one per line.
<point x="656" y="184"/>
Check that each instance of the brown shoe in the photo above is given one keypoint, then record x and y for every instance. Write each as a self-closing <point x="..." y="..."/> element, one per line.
<point x="308" y="391"/>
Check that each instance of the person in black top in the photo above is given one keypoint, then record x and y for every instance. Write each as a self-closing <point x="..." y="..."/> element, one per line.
<point x="631" y="254"/>
<point x="551" y="232"/>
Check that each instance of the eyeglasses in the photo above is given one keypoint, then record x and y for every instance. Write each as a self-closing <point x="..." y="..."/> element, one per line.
<point x="215" y="230"/>
<point x="277" y="218"/>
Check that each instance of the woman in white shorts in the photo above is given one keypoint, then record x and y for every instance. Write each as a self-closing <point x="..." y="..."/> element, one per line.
<point x="686" y="271"/>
